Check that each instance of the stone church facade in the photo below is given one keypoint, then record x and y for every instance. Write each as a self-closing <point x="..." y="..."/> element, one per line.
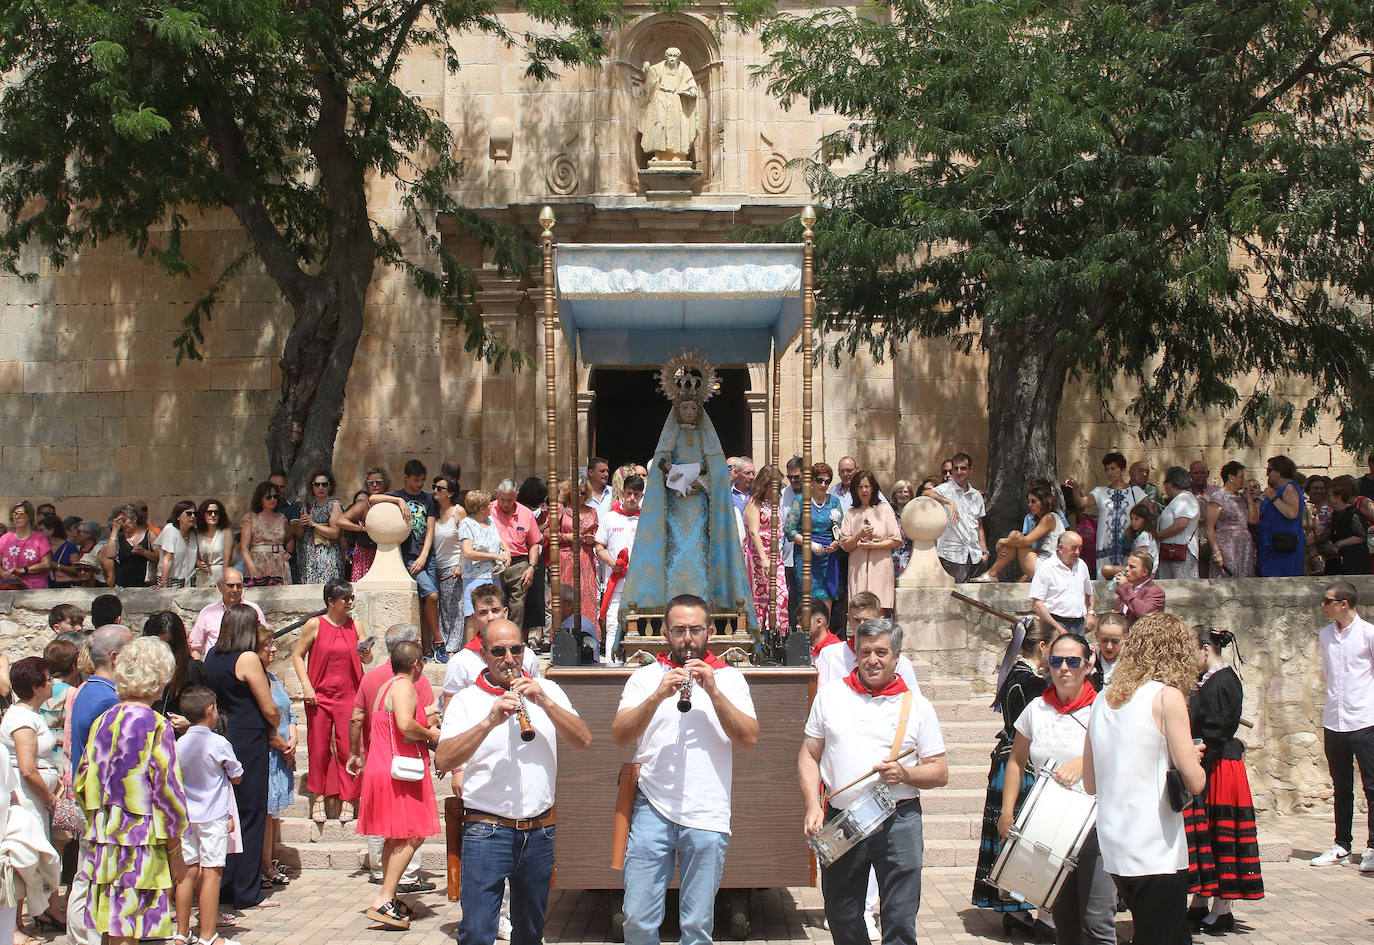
<point x="95" y="409"/>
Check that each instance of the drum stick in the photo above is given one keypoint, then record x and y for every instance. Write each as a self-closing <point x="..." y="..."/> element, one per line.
<point x="999" y="614"/>
<point x="866" y="776"/>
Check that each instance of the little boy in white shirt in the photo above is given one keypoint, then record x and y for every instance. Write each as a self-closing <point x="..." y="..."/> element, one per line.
<point x="209" y="769"/>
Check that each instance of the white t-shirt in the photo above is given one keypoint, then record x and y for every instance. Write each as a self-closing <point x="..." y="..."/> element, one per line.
<point x="1064" y="592"/>
<point x="506" y="776"/>
<point x="466" y="665"/>
<point x="20" y="716"/>
<point x="838" y="661"/>
<point x="1183" y="505"/>
<point x="858" y="731"/>
<point x="9" y="783"/>
<point x="617" y="532"/>
<point x="1055" y="738"/>
<point x="686" y="761"/>
<point x="183" y="553"/>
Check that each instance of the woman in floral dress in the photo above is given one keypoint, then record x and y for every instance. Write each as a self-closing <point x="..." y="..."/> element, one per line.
<point x="761" y="531"/>
<point x="1230" y="513"/>
<point x="266" y="555"/>
<point x="130" y="787"/>
<point x="826" y="517"/>
<point x="281" y="763"/>
<point x="322" y="556"/>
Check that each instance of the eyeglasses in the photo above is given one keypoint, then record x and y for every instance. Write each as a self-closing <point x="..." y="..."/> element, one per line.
<point x="439" y="488"/>
<point x="1073" y="662"/>
<point x="375" y="482"/>
<point x="515" y="649"/>
<point x="321" y="485"/>
<point x="233" y="587"/>
<point x="682" y="631"/>
<point x="823" y="480"/>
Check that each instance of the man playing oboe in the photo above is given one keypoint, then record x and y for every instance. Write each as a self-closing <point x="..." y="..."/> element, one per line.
<point x="508" y="823"/>
<point x="682" y="810"/>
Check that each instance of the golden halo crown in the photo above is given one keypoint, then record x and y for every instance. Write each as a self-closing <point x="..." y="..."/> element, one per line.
<point x="687" y="375"/>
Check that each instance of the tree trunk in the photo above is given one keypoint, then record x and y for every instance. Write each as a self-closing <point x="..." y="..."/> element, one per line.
<point x="315" y="365"/>
<point x="1025" y="387"/>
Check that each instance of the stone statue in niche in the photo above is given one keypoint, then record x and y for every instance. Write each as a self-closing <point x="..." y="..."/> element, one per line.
<point x="668" y="117"/>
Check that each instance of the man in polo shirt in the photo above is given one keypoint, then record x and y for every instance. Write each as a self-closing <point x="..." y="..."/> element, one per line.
<point x="860" y="724"/>
<point x="1347" y="646"/>
<point x="508" y="786"/>
<point x="95" y="696"/>
<point x="686" y="759"/>
<point x="1061" y="592"/>
<point x="521" y="535"/>
<point x="205" y="631"/>
<point x="426" y="713"/>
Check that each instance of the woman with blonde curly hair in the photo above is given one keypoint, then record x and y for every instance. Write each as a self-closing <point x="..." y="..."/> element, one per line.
<point x="130" y="787"/>
<point x="1138" y="730"/>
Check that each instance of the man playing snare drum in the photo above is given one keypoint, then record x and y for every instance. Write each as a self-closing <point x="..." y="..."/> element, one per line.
<point x="871" y="723"/>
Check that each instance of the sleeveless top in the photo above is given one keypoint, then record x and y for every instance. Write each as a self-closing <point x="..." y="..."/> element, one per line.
<point x="1140" y="834"/>
<point x="129" y="569"/>
<point x="237" y="706"/>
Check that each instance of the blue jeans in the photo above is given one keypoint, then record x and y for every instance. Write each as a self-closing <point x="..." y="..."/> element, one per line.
<point x="655" y="842"/>
<point x="491" y="855"/>
<point x="895" y="853"/>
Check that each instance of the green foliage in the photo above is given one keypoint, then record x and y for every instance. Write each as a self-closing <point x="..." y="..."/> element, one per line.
<point x="118" y="118"/>
<point x="1176" y="192"/>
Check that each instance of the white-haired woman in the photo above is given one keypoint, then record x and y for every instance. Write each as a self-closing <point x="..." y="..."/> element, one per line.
<point x="130" y="787"/>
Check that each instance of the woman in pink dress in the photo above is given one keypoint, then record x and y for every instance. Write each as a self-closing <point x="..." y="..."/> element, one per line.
<point x="329" y="665"/>
<point x="869" y="533"/>
<point x="763" y="532"/>
<point x="25" y="552"/>
<point x="591" y="600"/>
<point x="401" y="810"/>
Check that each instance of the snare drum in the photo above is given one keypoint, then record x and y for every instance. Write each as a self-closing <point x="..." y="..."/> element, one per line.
<point x="1042" y="849"/>
<point x="857" y="821"/>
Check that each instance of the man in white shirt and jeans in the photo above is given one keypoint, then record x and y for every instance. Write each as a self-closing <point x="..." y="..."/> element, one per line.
<point x="963" y="545"/>
<point x="1061" y="592"/>
<point x="1347" y="648"/>
<point x="686" y="762"/>
<point x="858" y="725"/>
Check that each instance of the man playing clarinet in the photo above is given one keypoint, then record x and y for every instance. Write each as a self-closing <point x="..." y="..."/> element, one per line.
<point x="505" y="728"/>
<point x="864" y="729"/>
<point x="685" y="713"/>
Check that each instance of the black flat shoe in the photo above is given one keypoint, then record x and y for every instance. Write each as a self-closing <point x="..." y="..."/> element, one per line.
<point x="1017" y="923"/>
<point x="1197" y="913"/>
<point x="1223" y="924"/>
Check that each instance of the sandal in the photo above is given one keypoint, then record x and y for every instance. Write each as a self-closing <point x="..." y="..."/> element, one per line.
<point x="348" y="814"/>
<point x="317" y="810"/>
<point x="226" y="920"/>
<point x="281" y="868"/>
<point x="388" y="915"/>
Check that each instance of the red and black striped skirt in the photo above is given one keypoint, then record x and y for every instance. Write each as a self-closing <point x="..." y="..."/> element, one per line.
<point x="1223" y="845"/>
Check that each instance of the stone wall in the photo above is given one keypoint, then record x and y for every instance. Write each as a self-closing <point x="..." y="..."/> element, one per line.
<point x="1276" y="621"/>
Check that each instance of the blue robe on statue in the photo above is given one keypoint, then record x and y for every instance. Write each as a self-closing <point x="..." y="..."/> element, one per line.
<point x="688" y="544"/>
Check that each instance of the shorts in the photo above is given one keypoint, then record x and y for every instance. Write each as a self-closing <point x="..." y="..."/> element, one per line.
<point x="428" y="578"/>
<point x="206" y="844"/>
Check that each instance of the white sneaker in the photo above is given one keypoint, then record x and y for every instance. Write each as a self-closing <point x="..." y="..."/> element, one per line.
<point x="1367" y="860"/>
<point x="503" y="929"/>
<point x="871" y="923"/>
<point x="1335" y="856"/>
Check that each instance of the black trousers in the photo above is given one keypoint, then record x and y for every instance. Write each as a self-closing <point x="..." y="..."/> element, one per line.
<point x="1343" y="751"/>
<point x="1159" y="907"/>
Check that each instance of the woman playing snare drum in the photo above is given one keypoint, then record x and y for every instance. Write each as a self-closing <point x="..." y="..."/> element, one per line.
<point x="1050" y="734"/>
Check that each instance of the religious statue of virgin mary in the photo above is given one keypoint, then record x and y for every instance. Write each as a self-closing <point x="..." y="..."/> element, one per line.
<point x="687" y="541"/>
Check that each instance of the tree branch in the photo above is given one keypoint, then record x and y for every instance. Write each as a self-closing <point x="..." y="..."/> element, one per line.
<point x="1304" y="68"/>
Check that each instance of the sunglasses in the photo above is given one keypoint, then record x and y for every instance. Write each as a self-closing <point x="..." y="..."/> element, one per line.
<point x="515" y="649"/>
<point x="1330" y="600"/>
<point x="1073" y="662"/>
<point x="212" y="511"/>
<point x="321" y="485"/>
<point x="271" y="495"/>
<point x="823" y="480"/>
<point x="375" y="482"/>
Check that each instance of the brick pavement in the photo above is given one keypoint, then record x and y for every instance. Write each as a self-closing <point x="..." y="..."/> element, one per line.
<point x="1333" y="906"/>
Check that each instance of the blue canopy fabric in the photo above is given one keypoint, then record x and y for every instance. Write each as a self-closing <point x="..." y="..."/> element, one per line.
<point x="637" y="305"/>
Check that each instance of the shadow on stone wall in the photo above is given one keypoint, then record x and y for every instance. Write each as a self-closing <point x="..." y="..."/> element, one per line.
<point x="1275" y="620"/>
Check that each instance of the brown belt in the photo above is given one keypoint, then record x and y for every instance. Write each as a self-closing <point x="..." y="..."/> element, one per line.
<point x="545" y="819"/>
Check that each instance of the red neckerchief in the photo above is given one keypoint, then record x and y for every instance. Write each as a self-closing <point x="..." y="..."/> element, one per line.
<point x="486" y="685"/>
<point x="1085" y="698"/>
<point x="617" y="507"/>
<point x="622" y="564"/>
<point x="709" y="658"/>
<point x="475" y="644"/>
<point x="894" y="688"/>
<point x="829" y="639"/>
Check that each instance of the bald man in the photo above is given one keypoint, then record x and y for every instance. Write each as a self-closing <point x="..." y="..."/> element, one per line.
<point x="205" y="631"/>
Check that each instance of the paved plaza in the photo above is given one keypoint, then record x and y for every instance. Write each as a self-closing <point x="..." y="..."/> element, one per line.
<point x="1333" y="906"/>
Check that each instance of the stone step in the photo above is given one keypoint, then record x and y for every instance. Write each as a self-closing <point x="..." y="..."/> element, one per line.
<point x="967" y="709"/>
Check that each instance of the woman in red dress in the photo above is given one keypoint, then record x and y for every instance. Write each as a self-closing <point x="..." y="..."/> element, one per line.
<point x="329" y="665"/>
<point x="587" y="519"/>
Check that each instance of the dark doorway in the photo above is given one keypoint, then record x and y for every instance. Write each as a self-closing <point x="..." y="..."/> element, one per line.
<point x="628" y="413"/>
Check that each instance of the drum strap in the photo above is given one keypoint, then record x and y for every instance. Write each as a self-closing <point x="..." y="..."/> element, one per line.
<point x="901" y="727"/>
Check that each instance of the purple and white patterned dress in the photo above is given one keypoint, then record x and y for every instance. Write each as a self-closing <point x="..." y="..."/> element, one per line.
<point x="129" y="785"/>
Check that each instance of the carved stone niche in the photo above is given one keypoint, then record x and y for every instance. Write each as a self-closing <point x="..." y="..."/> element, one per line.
<point x="646" y="41"/>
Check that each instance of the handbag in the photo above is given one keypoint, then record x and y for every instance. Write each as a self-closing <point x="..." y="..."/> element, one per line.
<point x="1172" y="552"/>
<point x="67" y="815"/>
<point x="403" y="767"/>
<point x="1283" y="543"/>
<point x="1179" y="796"/>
